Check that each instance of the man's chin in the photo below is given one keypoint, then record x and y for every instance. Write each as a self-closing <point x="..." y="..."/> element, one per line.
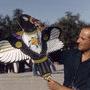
<point x="83" y="50"/>
<point x="80" y="49"/>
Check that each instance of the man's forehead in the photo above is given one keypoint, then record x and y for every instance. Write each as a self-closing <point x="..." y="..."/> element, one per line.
<point x="86" y="32"/>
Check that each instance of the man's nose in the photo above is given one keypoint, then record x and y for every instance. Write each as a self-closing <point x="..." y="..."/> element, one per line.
<point x="78" y="40"/>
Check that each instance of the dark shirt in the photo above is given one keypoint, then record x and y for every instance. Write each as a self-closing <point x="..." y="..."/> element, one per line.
<point x="76" y="73"/>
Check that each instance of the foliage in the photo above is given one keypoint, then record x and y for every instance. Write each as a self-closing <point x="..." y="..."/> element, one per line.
<point x="8" y="25"/>
<point x="70" y="25"/>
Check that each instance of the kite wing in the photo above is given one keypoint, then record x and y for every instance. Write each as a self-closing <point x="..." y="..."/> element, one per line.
<point x="52" y="37"/>
<point x="8" y="53"/>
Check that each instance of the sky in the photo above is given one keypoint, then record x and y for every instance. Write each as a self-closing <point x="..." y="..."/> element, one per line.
<point x="48" y="11"/>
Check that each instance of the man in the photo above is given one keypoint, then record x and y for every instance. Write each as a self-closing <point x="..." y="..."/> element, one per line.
<point x="76" y="65"/>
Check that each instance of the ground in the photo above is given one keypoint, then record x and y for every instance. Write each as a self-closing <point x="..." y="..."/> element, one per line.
<point x="26" y="81"/>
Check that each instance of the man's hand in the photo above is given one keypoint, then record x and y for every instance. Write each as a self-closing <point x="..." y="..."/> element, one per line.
<point x="53" y="85"/>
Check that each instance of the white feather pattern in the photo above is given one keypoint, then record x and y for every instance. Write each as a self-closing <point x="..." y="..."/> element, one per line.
<point x="11" y="54"/>
<point x="54" y="33"/>
<point x="54" y="44"/>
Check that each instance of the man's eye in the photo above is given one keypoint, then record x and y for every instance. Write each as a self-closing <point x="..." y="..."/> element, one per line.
<point x="82" y="38"/>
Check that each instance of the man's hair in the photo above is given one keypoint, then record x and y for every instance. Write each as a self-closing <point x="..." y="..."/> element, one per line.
<point x="86" y="26"/>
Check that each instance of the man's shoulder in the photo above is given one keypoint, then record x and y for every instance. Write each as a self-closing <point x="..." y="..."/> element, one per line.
<point x="71" y="51"/>
<point x="70" y="54"/>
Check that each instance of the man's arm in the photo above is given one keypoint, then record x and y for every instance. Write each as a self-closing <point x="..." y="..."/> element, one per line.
<point x="53" y="85"/>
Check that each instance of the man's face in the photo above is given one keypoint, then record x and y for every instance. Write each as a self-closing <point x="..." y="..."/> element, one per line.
<point x="84" y="39"/>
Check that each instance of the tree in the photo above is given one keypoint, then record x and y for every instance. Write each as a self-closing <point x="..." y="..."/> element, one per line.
<point x="8" y="25"/>
<point x="5" y="24"/>
<point x="17" y="13"/>
<point x="70" y="25"/>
